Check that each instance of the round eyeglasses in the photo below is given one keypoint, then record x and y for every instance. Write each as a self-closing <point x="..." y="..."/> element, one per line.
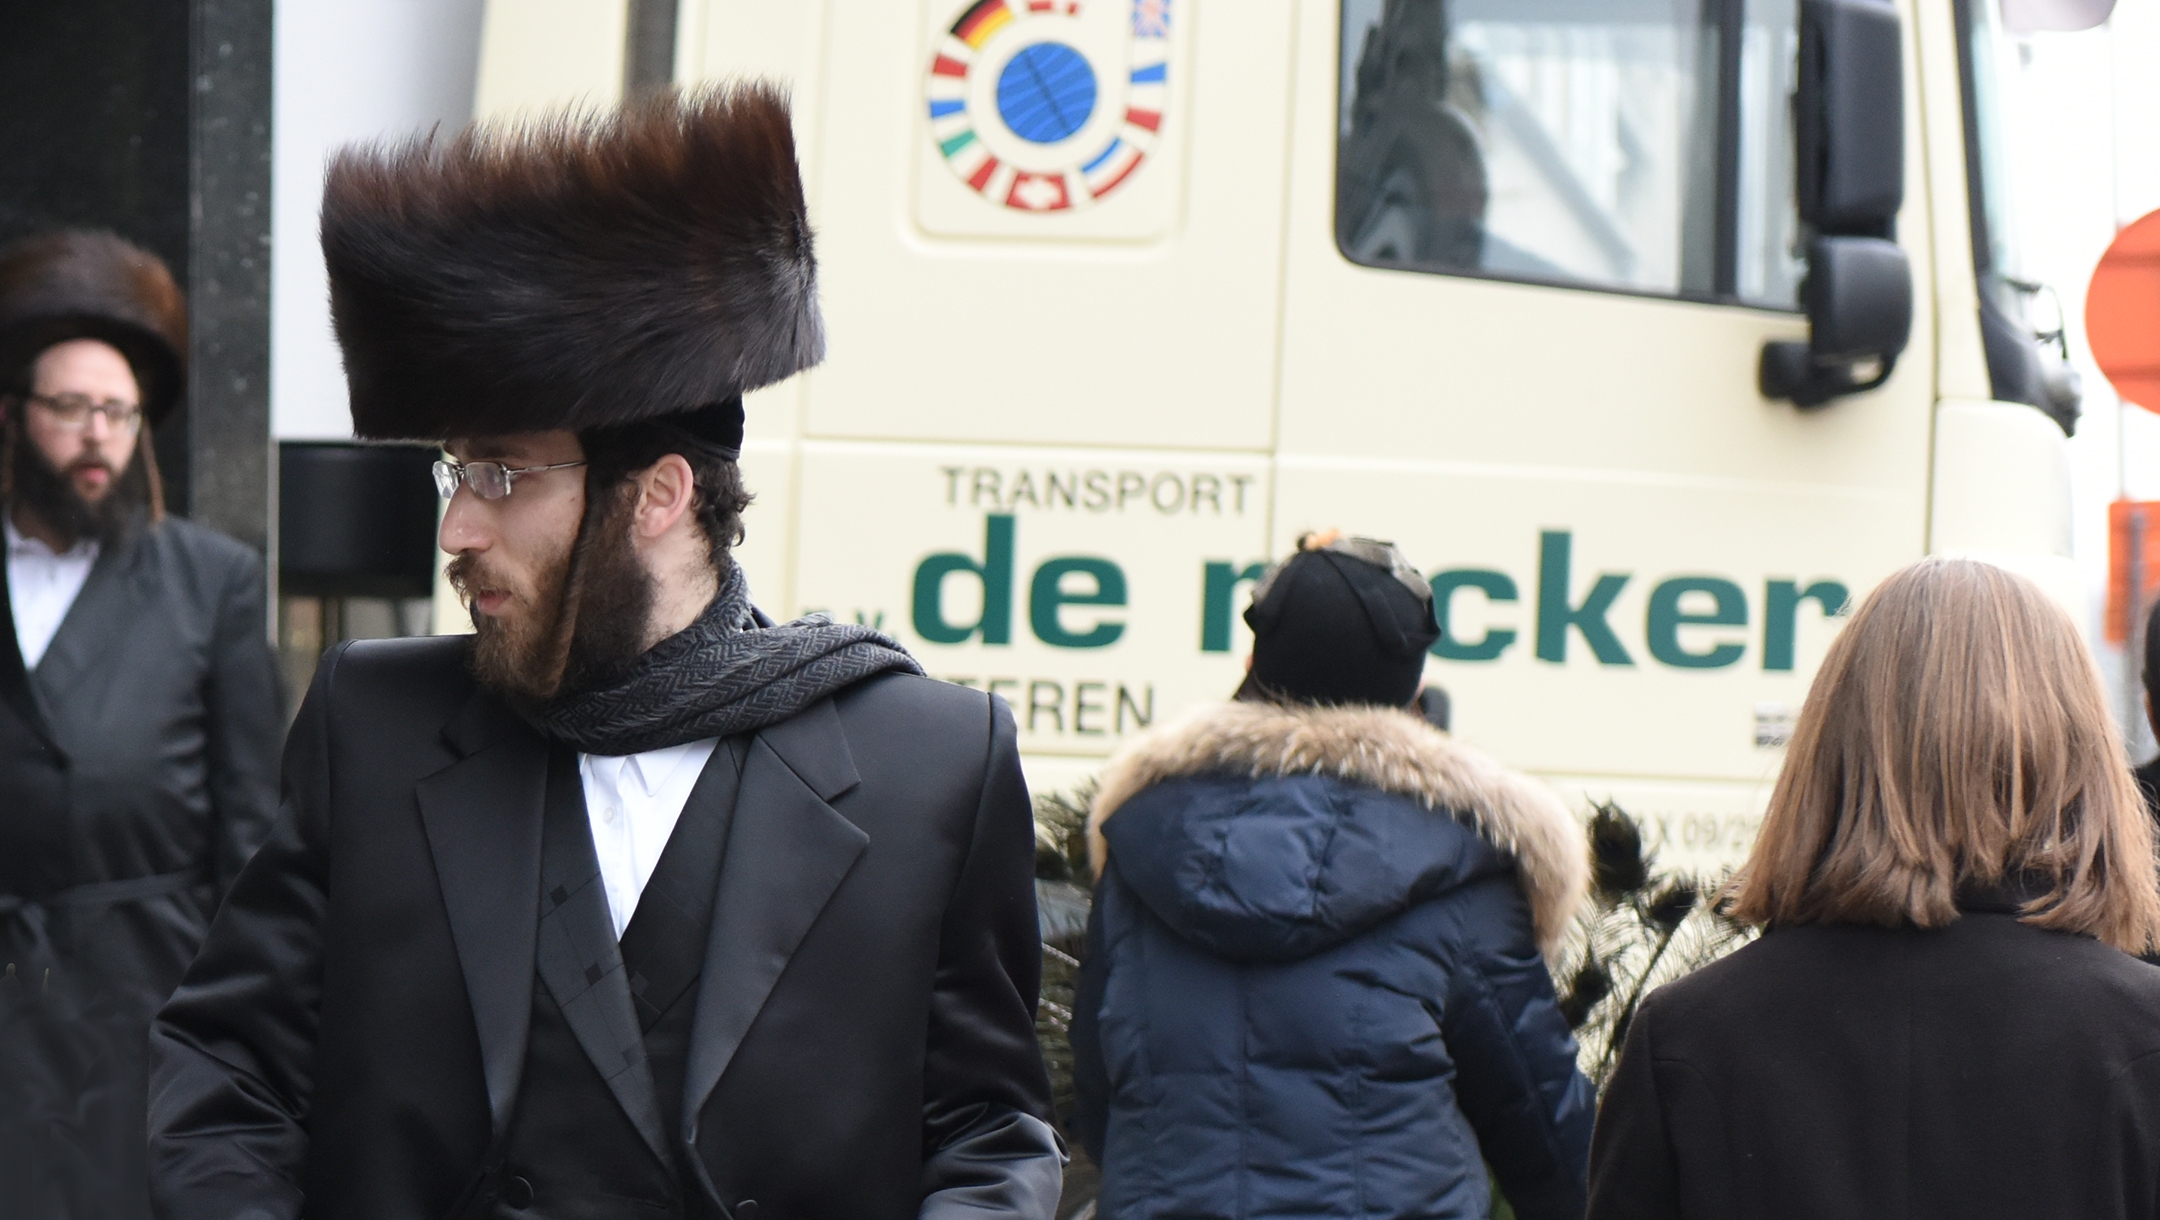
<point x="488" y="480"/>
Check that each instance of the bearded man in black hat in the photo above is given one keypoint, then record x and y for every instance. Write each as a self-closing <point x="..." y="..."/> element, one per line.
<point x="634" y="903"/>
<point x="139" y="716"/>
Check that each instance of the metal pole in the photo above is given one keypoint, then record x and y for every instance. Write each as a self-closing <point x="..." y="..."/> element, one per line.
<point x="649" y="53"/>
<point x="2134" y="629"/>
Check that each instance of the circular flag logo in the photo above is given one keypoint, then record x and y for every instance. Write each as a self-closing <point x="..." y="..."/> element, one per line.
<point x="1047" y="105"/>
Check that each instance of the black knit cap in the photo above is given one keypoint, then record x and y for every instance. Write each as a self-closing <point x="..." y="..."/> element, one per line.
<point x="1331" y="628"/>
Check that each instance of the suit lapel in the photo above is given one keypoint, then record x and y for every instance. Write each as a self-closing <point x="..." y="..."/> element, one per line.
<point x="787" y="852"/>
<point x="483" y="818"/>
<point x="121" y="585"/>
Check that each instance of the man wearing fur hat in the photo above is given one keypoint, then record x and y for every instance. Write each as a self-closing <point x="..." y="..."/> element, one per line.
<point x="634" y="903"/>
<point x="1315" y="942"/>
<point x="139" y="716"/>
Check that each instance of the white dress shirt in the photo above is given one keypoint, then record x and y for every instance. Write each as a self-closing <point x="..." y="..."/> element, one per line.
<point x="41" y="587"/>
<point x="634" y="801"/>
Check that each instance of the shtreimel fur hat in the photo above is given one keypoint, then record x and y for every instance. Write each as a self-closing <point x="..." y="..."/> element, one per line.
<point x="579" y="271"/>
<point x="90" y="284"/>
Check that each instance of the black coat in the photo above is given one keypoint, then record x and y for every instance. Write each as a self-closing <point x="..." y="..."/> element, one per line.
<point x="1986" y="1069"/>
<point x="137" y="773"/>
<point x="350" y="1041"/>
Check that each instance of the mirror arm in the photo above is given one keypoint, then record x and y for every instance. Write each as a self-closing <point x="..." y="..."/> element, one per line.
<point x="1790" y="371"/>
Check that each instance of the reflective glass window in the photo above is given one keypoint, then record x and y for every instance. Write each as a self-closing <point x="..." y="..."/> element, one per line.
<point x="1573" y="141"/>
<point x="1770" y="260"/>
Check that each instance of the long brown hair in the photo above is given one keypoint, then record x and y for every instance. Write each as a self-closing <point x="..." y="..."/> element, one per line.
<point x="1956" y="737"/>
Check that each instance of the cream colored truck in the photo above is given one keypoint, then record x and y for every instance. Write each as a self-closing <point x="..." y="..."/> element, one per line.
<point x="1123" y="295"/>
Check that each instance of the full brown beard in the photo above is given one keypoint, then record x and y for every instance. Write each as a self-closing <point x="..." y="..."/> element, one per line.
<point x="583" y="622"/>
<point x="49" y="492"/>
<point x="518" y="654"/>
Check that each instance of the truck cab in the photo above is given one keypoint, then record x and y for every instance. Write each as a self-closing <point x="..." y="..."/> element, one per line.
<point x="1563" y="297"/>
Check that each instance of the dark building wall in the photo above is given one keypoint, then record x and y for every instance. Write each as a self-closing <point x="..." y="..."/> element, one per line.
<point x="94" y="133"/>
<point x="152" y="118"/>
<point x="94" y="120"/>
<point x="229" y="272"/>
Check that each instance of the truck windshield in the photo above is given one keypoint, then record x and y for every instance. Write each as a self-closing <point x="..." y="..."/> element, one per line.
<point x="1636" y="145"/>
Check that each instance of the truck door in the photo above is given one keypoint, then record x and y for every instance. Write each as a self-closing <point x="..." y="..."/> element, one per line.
<point x="1535" y="250"/>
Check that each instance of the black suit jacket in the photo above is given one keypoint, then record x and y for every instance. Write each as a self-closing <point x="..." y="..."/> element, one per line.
<point x="1988" y="1070"/>
<point x="350" y="1041"/>
<point x="144" y="743"/>
<point x="138" y="770"/>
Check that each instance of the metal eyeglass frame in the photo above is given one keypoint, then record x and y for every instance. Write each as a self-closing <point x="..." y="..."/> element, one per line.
<point x="73" y="411"/>
<point x="448" y="474"/>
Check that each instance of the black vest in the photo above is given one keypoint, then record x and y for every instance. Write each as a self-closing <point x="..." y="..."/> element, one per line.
<point x="596" y="1133"/>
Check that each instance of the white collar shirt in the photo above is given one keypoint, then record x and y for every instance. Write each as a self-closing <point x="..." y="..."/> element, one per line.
<point x="633" y="802"/>
<point x="42" y="586"/>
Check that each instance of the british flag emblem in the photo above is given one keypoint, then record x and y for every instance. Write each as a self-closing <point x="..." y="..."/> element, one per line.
<point x="1151" y="18"/>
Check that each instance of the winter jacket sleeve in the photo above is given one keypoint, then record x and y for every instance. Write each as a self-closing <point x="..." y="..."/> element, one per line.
<point x="988" y="1149"/>
<point x="231" y="1053"/>
<point x="1516" y="1078"/>
<point x="1091" y="1080"/>
<point x="1632" y="1174"/>
<point x="246" y="705"/>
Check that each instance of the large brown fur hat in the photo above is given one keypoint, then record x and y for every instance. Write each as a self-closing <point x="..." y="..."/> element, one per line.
<point x="574" y="272"/>
<point x="90" y="284"/>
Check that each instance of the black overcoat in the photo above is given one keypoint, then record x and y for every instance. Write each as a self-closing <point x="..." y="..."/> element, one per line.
<point x="350" y="1041"/>
<point x="137" y="773"/>
<point x="1986" y="1069"/>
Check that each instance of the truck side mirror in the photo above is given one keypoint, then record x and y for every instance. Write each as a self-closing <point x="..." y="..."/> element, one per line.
<point x="1849" y="117"/>
<point x="1859" y="306"/>
<point x="1849" y="141"/>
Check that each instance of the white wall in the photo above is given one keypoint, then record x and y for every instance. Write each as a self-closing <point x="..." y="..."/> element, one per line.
<point x="2083" y="111"/>
<point x="540" y="55"/>
<point x="346" y="70"/>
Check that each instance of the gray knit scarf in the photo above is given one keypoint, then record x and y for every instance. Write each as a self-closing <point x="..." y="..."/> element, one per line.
<point x="731" y="671"/>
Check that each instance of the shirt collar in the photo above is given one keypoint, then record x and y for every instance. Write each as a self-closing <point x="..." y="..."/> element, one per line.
<point x="651" y="770"/>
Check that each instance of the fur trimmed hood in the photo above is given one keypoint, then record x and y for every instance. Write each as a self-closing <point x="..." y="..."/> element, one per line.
<point x="577" y="271"/>
<point x="90" y="284"/>
<point x="1371" y="747"/>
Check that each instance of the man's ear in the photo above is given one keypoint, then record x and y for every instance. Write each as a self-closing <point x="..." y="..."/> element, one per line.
<point x="665" y="491"/>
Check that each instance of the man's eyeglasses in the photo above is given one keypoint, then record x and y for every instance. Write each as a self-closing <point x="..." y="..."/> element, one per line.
<point x="73" y="411"/>
<point x="489" y="480"/>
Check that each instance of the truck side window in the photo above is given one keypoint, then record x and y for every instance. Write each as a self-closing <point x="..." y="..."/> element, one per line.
<point x="1768" y="264"/>
<point x="1621" y="144"/>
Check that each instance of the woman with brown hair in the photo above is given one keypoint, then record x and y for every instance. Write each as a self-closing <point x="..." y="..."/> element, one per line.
<point x="1943" y="1017"/>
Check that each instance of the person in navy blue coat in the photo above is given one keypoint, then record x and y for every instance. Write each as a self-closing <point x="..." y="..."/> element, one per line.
<point x="1314" y="983"/>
